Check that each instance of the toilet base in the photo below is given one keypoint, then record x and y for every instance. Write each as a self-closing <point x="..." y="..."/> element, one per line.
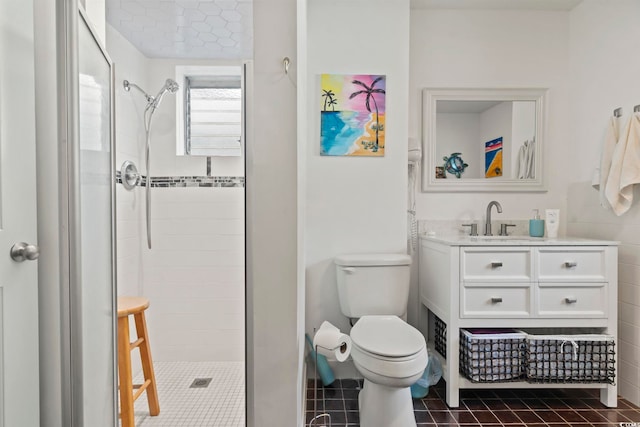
<point x="382" y="406"/>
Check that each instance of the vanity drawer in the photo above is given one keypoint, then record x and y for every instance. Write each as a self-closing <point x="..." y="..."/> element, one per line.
<point x="564" y="300"/>
<point x="505" y="300"/>
<point x="571" y="264"/>
<point x="499" y="264"/>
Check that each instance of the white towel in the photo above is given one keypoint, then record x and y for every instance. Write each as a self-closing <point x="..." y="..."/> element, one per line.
<point x="531" y="160"/>
<point x="602" y="172"/>
<point x="631" y="163"/>
<point x="625" y="167"/>
<point x="526" y="160"/>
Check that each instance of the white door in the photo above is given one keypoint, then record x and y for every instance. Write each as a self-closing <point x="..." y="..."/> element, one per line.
<point x="19" y="394"/>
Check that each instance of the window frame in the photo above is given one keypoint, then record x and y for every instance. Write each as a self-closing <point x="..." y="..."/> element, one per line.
<point x="199" y="72"/>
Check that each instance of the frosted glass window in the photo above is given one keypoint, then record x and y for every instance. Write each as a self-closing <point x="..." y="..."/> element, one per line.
<point x="213" y="116"/>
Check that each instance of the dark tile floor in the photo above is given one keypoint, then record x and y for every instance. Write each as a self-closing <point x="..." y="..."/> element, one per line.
<point x="512" y="408"/>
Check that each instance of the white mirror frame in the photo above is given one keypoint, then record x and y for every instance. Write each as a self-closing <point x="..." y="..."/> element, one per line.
<point x="429" y="98"/>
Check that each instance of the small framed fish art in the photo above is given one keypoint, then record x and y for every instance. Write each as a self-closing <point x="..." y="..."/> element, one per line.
<point x="352" y="115"/>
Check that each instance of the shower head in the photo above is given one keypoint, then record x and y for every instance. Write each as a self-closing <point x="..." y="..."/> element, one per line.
<point x="169" y="86"/>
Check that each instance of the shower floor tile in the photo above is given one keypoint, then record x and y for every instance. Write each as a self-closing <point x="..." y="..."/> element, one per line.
<point x="220" y="404"/>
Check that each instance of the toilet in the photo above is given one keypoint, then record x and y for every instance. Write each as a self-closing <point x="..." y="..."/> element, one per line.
<point x="373" y="290"/>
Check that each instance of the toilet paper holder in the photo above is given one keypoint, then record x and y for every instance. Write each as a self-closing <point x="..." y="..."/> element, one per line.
<point x="316" y="417"/>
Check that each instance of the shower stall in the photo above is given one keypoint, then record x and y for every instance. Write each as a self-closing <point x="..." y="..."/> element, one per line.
<point x="180" y="239"/>
<point x="194" y="277"/>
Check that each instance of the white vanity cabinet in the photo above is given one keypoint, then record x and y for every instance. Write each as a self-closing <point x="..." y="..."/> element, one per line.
<point x="516" y="283"/>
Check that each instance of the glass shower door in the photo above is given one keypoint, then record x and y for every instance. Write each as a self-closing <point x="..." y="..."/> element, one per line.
<point x="92" y="253"/>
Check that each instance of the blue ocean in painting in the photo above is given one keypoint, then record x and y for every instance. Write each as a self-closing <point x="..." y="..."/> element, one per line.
<point x="340" y="130"/>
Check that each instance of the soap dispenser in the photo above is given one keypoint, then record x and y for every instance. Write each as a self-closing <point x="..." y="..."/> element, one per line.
<point x="536" y="225"/>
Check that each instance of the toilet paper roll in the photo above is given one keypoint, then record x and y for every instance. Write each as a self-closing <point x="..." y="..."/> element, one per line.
<point x="332" y="343"/>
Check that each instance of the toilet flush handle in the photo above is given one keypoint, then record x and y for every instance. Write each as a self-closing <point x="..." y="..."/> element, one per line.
<point x="349" y="270"/>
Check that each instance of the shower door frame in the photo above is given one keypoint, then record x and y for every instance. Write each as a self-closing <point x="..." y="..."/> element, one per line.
<point x="69" y="13"/>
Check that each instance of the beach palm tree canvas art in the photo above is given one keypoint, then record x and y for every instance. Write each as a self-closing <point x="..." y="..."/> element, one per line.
<point x="352" y="115"/>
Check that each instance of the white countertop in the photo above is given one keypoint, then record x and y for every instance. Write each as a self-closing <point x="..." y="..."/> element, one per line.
<point x="458" y="240"/>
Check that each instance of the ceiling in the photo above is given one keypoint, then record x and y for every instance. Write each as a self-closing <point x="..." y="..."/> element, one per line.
<point x="223" y="29"/>
<point x="205" y="29"/>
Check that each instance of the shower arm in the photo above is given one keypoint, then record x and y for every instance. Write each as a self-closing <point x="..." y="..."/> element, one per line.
<point x="128" y="85"/>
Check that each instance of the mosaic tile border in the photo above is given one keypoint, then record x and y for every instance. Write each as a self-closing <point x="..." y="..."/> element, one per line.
<point x="188" y="181"/>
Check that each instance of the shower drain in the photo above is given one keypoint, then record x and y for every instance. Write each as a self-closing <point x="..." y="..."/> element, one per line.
<point x="200" y="383"/>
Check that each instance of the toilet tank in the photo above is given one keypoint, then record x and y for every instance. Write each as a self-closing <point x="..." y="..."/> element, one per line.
<point x="370" y="284"/>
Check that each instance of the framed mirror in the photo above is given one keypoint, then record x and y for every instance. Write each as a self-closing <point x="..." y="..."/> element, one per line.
<point x="483" y="140"/>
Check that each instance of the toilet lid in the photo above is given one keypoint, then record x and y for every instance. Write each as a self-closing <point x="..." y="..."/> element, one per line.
<point x="387" y="336"/>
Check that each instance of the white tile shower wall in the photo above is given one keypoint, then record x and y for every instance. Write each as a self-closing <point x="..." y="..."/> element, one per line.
<point x="601" y="34"/>
<point x="194" y="275"/>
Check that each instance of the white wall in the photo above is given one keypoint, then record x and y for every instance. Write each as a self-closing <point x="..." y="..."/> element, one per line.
<point x="130" y="65"/>
<point x="354" y="204"/>
<point x="496" y="122"/>
<point x="485" y="49"/>
<point x="493" y="48"/>
<point x="604" y="73"/>
<point x="50" y="237"/>
<point x="271" y="203"/>
<point x="458" y="132"/>
<point x="524" y="129"/>
<point x="96" y="9"/>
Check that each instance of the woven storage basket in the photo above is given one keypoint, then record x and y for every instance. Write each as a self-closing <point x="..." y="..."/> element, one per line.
<point x="440" y="339"/>
<point x="492" y="355"/>
<point x="586" y="358"/>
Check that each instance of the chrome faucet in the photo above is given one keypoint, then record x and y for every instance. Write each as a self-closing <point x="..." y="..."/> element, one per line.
<point x="487" y="225"/>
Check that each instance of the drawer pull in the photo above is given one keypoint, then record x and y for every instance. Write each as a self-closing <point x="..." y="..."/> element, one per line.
<point x="496" y="264"/>
<point x="571" y="300"/>
<point x="496" y="300"/>
<point x="569" y="264"/>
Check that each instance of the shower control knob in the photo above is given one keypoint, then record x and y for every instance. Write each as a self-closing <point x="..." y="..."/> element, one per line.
<point x="23" y="251"/>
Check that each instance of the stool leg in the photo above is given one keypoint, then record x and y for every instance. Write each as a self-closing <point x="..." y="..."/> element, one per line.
<point x="147" y="363"/>
<point x="124" y="373"/>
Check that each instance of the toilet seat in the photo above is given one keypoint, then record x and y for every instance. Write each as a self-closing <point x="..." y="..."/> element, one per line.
<point x="387" y="346"/>
<point x="390" y="367"/>
<point x="387" y="336"/>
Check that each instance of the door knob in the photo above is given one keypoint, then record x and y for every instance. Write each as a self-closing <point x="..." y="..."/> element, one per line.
<point x="21" y="251"/>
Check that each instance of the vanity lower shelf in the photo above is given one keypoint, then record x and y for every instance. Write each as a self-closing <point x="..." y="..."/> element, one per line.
<point x="456" y="381"/>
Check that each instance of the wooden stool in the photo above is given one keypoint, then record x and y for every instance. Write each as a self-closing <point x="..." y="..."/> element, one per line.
<point x="134" y="306"/>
